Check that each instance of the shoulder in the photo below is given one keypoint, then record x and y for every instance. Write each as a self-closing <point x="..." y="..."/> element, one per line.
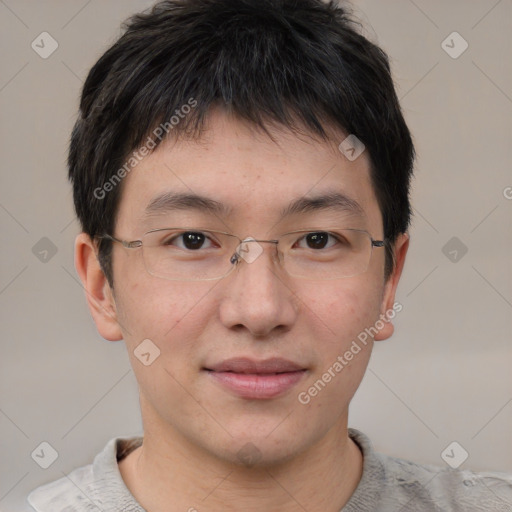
<point x="399" y="484"/>
<point x="67" y="494"/>
<point x="435" y="488"/>
<point x="89" y="488"/>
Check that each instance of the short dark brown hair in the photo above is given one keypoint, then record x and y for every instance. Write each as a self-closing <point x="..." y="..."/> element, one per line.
<point x="278" y="61"/>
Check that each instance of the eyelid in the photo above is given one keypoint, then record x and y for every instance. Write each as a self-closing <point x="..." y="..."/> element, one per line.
<point x="178" y="235"/>
<point x="306" y="233"/>
<point x="210" y="234"/>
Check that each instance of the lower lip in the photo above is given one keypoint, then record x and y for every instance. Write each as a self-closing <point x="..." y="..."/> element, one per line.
<point x="258" y="386"/>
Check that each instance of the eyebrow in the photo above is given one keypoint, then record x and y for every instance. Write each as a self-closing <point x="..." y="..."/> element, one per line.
<point x="171" y="201"/>
<point x="334" y="201"/>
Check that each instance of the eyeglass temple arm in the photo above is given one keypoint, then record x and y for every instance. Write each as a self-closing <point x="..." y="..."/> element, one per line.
<point x="125" y="243"/>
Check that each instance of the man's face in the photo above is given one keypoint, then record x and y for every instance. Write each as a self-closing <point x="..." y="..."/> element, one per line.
<point x="258" y="312"/>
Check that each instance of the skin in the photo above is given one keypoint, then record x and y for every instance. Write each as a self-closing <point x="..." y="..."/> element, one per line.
<point x="193" y="428"/>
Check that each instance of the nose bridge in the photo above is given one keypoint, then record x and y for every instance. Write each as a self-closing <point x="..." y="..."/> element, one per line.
<point x="257" y="298"/>
<point x="249" y="250"/>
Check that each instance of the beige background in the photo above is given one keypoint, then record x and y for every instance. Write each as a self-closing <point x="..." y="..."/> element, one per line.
<point x="445" y="376"/>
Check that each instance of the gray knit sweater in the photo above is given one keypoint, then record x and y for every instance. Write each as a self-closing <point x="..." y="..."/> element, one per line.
<point x="388" y="484"/>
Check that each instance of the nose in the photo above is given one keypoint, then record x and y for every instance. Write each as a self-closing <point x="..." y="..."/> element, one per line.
<point x="259" y="297"/>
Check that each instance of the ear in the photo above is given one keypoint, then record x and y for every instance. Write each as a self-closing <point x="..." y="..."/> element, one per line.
<point x="388" y="297"/>
<point x="99" y="295"/>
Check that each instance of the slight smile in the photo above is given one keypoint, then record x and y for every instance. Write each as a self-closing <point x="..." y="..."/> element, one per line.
<point x="256" y="380"/>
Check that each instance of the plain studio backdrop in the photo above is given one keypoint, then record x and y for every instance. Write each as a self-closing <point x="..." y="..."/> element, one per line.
<point x="443" y="377"/>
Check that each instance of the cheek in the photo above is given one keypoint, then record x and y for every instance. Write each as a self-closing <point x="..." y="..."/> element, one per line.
<point x="341" y="309"/>
<point x="173" y="317"/>
<point x="340" y="313"/>
<point x="171" y="314"/>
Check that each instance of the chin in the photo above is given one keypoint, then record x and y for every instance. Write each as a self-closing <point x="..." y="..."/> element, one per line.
<point x="260" y="448"/>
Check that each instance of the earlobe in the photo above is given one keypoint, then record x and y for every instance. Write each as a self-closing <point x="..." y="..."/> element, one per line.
<point x="98" y="293"/>
<point x="388" y="304"/>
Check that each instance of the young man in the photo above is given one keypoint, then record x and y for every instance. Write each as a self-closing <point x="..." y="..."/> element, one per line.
<point x="241" y="173"/>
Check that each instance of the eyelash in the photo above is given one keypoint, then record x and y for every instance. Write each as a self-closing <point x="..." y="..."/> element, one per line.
<point x="303" y="237"/>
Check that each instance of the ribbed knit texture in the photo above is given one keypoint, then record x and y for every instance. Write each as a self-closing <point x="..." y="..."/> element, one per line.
<point x="388" y="484"/>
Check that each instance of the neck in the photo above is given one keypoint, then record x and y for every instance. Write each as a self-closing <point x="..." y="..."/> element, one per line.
<point x="168" y="473"/>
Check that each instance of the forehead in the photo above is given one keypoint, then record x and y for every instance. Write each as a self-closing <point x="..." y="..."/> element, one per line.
<point x="241" y="175"/>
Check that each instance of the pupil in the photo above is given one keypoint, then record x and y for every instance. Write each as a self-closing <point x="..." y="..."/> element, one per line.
<point x="317" y="240"/>
<point x="193" y="240"/>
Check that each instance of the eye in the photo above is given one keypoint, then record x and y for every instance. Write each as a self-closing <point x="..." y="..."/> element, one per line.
<point x="189" y="240"/>
<point x="318" y="240"/>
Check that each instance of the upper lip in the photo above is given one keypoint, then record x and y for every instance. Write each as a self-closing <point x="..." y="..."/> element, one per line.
<point x="252" y="366"/>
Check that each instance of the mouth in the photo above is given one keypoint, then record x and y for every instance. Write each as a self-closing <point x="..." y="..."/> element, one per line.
<point x="251" y="379"/>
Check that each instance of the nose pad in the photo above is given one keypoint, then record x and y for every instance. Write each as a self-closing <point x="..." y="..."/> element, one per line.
<point x="249" y="250"/>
